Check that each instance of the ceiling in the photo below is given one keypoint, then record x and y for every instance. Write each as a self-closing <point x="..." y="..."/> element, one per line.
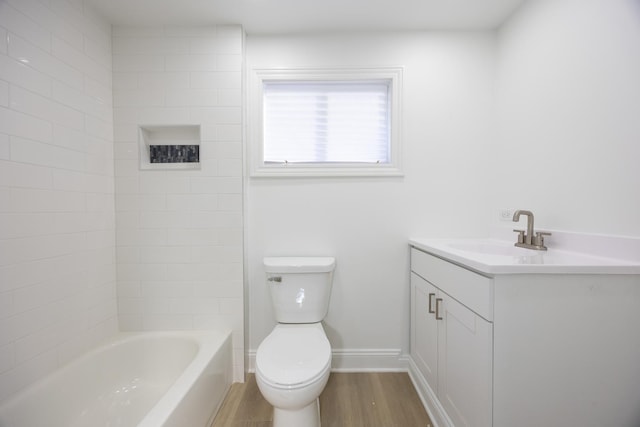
<point x="303" y="16"/>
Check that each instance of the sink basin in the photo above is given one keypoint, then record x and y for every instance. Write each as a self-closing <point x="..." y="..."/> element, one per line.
<point x="493" y="248"/>
<point x="496" y="256"/>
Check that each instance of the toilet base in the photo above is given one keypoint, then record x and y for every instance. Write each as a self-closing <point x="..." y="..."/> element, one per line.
<point x="309" y="416"/>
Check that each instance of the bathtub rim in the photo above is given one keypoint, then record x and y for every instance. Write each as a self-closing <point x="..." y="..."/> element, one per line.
<point x="208" y="341"/>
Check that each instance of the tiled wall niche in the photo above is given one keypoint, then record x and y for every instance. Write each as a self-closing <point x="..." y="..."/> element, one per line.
<point x="179" y="232"/>
<point x="169" y="147"/>
<point x="57" y="233"/>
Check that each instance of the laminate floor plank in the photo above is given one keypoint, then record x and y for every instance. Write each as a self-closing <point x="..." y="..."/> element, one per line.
<point x="348" y="400"/>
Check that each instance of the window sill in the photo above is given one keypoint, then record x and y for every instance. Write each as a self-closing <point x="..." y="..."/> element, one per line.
<point x="306" y="171"/>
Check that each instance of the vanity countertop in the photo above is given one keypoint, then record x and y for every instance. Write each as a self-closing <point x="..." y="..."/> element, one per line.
<point x="491" y="256"/>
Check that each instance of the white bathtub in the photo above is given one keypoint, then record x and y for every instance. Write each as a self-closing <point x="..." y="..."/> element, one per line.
<point x="158" y="379"/>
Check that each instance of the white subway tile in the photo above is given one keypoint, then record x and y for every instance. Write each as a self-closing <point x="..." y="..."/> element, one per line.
<point x="203" y="45"/>
<point x="165" y="254"/>
<point x="220" y="115"/>
<point x="230" y="97"/>
<point x="126" y="184"/>
<point x="166" y="289"/>
<point x="125" y="115"/>
<point x="229" y="150"/>
<point x="229" y="62"/>
<point x="99" y="202"/>
<point x="104" y="314"/>
<point x="5" y="147"/>
<point x="24" y="125"/>
<point x="98" y="91"/>
<point x="4" y="48"/>
<point x="194" y="306"/>
<point x="220" y="289"/>
<point x="99" y="128"/>
<point x="21" y="225"/>
<point x="190" y="237"/>
<point x="167" y="322"/>
<point x="191" y="97"/>
<point x="41" y="107"/>
<point x="125" y="81"/>
<point x="231" y="306"/>
<point x="138" y="97"/>
<point x="20" y="24"/>
<point x="171" y="80"/>
<point x="128" y="289"/>
<point x="162" y="220"/>
<point x="164" y="115"/>
<point x="50" y="21"/>
<point x="98" y="52"/>
<point x="161" y="184"/>
<point x="230" y="237"/>
<point x="192" y="272"/>
<point x="191" y="31"/>
<point x="33" y="152"/>
<point x="125" y="132"/>
<point x="7" y="357"/>
<point x="230" y="202"/>
<point x="14" y="71"/>
<point x="27" y="200"/>
<point x="28" y="176"/>
<point x="228" y="42"/>
<point x="134" y="31"/>
<point x="28" y="372"/>
<point x="147" y="305"/>
<point x="128" y="219"/>
<point x="190" y="63"/>
<point x="44" y="62"/>
<point x="230" y="167"/>
<point x="130" y="322"/>
<point x="6" y="310"/>
<point x="131" y="272"/>
<point x="216" y="80"/>
<point x="137" y="62"/>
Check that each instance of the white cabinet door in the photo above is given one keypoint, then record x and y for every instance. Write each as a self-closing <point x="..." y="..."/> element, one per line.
<point x="465" y="358"/>
<point x="424" y="334"/>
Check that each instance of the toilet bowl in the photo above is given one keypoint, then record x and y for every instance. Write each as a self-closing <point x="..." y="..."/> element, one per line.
<point x="292" y="368"/>
<point x="293" y="362"/>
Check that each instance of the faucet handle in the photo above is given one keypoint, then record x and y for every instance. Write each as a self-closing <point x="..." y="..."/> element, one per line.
<point x="520" y="235"/>
<point x="538" y="240"/>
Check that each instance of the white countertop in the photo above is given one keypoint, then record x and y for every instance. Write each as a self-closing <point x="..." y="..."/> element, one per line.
<point x="494" y="256"/>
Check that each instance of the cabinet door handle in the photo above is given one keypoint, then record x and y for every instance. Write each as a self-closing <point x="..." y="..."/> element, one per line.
<point x="430" y="304"/>
<point x="438" y="301"/>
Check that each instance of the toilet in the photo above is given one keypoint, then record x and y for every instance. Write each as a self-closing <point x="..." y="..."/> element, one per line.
<point x="293" y="362"/>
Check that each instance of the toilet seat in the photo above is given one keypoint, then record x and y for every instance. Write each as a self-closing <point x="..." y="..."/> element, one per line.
<point x="294" y="356"/>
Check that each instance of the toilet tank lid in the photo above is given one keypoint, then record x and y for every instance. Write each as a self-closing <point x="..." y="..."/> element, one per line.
<point x="299" y="264"/>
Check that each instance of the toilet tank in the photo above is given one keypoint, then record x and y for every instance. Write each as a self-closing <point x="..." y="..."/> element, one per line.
<point x="300" y="287"/>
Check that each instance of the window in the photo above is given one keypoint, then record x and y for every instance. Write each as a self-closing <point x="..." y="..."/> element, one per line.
<point x="331" y="123"/>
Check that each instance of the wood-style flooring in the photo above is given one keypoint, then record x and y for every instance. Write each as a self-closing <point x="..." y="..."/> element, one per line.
<point x="348" y="400"/>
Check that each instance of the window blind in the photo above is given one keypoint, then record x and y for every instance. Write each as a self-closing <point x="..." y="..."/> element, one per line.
<point x="327" y="122"/>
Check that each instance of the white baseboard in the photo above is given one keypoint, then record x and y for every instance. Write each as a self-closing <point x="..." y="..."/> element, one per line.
<point x="437" y="414"/>
<point x="358" y="360"/>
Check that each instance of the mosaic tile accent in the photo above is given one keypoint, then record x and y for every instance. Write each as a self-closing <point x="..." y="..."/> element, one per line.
<point x="174" y="153"/>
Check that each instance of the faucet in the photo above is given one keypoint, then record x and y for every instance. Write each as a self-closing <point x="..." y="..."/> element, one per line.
<point x="529" y="240"/>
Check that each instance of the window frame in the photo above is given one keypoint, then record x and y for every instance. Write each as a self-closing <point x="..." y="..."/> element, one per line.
<point x="258" y="168"/>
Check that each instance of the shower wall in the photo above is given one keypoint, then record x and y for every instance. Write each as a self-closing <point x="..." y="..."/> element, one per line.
<point x="179" y="231"/>
<point x="57" y="233"/>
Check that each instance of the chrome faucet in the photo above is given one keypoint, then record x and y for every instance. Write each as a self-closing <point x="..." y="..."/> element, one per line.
<point x="529" y="240"/>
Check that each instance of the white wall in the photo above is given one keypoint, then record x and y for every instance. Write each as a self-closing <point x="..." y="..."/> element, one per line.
<point x="179" y="233"/>
<point x="57" y="257"/>
<point x="569" y="103"/>
<point x="365" y="222"/>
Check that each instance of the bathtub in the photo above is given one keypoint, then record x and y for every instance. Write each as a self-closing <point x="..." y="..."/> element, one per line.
<point x="168" y="379"/>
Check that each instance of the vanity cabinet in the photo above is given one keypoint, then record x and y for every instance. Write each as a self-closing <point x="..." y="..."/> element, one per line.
<point x="450" y="344"/>
<point x="536" y="344"/>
